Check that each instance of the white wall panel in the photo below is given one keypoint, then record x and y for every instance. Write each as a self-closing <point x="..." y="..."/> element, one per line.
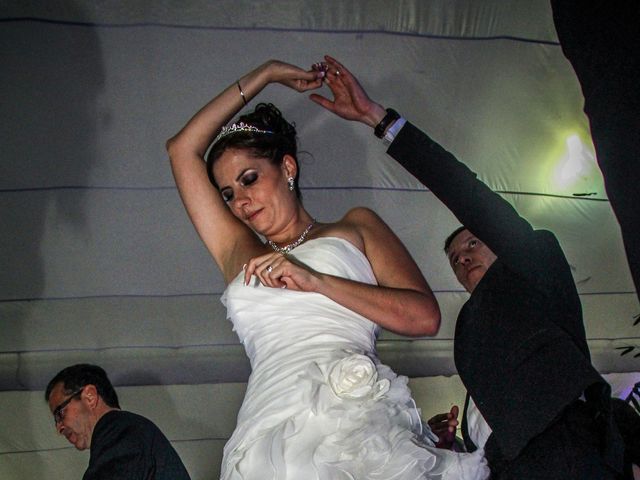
<point x="99" y="263"/>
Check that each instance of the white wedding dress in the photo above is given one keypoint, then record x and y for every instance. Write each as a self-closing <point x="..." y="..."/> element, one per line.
<point x="319" y="404"/>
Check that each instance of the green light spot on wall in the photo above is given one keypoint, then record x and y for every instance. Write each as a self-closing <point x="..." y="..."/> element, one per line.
<point x="576" y="166"/>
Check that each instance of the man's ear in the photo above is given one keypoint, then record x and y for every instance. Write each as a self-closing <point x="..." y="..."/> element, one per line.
<point x="90" y="395"/>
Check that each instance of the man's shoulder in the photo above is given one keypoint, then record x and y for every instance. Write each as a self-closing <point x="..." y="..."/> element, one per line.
<point x="123" y="416"/>
<point x="126" y="416"/>
<point x="128" y="445"/>
<point x="119" y="421"/>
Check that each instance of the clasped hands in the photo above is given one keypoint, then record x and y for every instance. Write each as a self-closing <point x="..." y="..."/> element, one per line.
<point x="350" y="101"/>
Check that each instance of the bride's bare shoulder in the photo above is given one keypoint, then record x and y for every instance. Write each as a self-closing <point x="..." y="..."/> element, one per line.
<point x="351" y="227"/>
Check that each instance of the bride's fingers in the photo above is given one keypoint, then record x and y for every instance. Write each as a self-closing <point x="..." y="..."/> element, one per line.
<point x="320" y="67"/>
<point x="269" y="274"/>
<point x="311" y="82"/>
<point x="248" y="271"/>
<point x="271" y="270"/>
<point x="255" y="265"/>
<point x="287" y="274"/>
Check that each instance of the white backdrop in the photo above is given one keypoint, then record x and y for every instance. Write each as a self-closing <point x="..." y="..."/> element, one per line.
<point x="99" y="263"/>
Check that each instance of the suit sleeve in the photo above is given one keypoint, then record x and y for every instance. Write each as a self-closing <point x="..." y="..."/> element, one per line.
<point x="486" y="214"/>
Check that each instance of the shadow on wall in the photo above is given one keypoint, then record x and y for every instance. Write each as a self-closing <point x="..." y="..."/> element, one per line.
<point x="52" y="75"/>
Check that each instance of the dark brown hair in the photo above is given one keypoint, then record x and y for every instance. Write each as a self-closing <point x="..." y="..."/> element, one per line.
<point x="280" y="141"/>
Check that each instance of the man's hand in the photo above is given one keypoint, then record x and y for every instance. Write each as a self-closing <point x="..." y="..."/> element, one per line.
<point x="350" y="101"/>
<point x="444" y="425"/>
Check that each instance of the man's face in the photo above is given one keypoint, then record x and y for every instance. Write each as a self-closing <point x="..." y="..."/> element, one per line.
<point x="469" y="258"/>
<point x="74" y="421"/>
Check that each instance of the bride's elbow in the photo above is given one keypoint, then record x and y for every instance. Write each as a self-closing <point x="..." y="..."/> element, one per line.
<point x="428" y="323"/>
<point x="178" y="150"/>
<point x="171" y="145"/>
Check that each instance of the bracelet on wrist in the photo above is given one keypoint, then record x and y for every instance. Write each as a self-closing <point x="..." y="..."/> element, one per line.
<point x="244" y="99"/>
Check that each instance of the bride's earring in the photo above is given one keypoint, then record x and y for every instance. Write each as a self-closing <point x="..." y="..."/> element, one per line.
<point x="292" y="183"/>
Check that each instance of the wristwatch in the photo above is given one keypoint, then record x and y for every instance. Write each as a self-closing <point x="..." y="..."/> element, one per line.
<point x="387" y="120"/>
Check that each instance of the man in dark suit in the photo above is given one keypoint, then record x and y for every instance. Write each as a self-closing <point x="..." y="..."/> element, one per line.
<point x="520" y="346"/>
<point x="123" y="445"/>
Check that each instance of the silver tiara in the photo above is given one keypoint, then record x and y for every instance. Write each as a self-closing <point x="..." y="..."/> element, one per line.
<point x="238" y="128"/>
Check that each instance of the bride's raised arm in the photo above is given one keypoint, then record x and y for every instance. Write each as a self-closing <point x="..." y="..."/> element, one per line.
<point x="228" y="239"/>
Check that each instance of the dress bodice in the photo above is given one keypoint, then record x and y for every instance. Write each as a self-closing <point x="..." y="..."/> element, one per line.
<point x="274" y="323"/>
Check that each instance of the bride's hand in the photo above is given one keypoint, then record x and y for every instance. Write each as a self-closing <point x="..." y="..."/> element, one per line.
<point x="280" y="271"/>
<point x="292" y="76"/>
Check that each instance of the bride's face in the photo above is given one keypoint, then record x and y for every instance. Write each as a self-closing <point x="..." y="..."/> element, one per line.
<point x="256" y="190"/>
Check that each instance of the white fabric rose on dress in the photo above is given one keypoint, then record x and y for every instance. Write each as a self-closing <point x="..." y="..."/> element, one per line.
<point x="356" y="378"/>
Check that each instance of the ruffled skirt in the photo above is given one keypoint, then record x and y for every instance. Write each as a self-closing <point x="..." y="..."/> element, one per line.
<point x="352" y="418"/>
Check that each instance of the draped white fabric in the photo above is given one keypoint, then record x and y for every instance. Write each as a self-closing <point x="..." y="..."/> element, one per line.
<point x="98" y="261"/>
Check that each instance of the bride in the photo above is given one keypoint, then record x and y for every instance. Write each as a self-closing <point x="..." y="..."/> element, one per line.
<point x="307" y="304"/>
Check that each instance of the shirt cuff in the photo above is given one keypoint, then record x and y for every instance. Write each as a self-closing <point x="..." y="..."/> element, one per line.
<point x="393" y="130"/>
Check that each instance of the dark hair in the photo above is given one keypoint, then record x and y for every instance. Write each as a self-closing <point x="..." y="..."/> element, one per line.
<point x="273" y="146"/>
<point x="77" y="376"/>
<point x="451" y="236"/>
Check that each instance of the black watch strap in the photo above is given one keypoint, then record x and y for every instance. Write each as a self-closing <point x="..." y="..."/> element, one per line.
<point x="387" y="120"/>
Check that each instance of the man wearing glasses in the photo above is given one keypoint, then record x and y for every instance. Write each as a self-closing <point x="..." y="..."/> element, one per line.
<point x="86" y="411"/>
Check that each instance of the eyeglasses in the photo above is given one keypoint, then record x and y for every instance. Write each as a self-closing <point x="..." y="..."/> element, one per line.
<point x="57" y="412"/>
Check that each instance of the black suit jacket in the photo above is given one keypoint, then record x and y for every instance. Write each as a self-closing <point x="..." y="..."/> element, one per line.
<point x="126" y="446"/>
<point x="520" y="346"/>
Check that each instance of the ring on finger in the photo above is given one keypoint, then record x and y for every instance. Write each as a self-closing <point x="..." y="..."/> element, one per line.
<point x="337" y="72"/>
<point x="269" y="268"/>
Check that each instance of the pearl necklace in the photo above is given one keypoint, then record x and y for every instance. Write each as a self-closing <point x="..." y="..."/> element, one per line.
<point x="287" y="248"/>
